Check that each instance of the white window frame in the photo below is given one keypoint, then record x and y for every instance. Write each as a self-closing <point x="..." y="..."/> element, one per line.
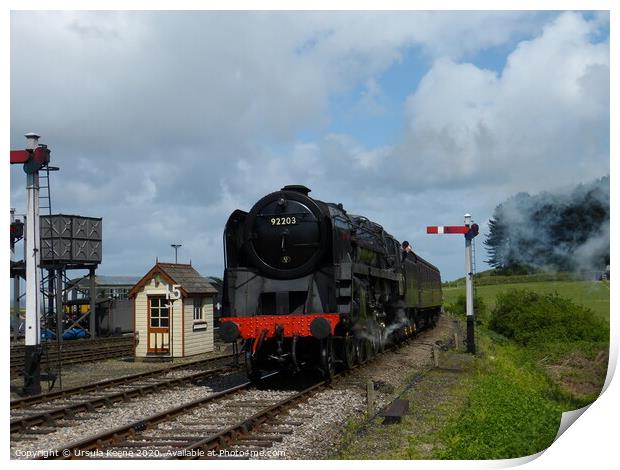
<point x="197" y="313"/>
<point x="159" y="310"/>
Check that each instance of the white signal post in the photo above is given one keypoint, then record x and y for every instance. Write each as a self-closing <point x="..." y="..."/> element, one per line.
<point x="33" y="299"/>
<point x="469" y="289"/>
<point x="470" y="230"/>
<point x="34" y="157"/>
<point x="32" y="384"/>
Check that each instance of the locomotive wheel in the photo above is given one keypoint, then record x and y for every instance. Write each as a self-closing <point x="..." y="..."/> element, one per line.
<point x="349" y="352"/>
<point x="372" y="346"/>
<point x="376" y="342"/>
<point x="362" y="351"/>
<point x="328" y="359"/>
<point x="380" y="341"/>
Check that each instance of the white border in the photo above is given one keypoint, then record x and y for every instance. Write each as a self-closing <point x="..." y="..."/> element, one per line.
<point x="593" y="440"/>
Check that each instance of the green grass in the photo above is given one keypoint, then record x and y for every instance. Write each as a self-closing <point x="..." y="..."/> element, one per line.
<point x="489" y="277"/>
<point x="591" y="294"/>
<point x="495" y="405"/>
<point x="508" y="400"/>
<point x="509" y="410"/>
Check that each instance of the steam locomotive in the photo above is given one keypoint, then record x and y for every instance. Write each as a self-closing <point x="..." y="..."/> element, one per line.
<point x="308" y="285"/>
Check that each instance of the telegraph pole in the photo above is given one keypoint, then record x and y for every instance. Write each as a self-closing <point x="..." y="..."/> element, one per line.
<point x="470" y="230"/>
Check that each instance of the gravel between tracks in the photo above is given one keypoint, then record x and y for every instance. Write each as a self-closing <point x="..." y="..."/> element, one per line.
<point x="121" y="414"/>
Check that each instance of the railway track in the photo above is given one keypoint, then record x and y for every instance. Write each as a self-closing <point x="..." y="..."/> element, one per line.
<point x="46" y="409"/>
<point x="75" y="352"/>
<point x="242" y="417"/>
<point x="196" y="429"/>
<point x="18" y="348"/>
<point x="225" y="422"/>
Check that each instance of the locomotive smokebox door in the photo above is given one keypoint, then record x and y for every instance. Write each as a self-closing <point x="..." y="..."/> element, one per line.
<point x="286" y="233"/>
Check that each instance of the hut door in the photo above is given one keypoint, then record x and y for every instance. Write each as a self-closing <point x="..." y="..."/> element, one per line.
<point x="158" y="325"/>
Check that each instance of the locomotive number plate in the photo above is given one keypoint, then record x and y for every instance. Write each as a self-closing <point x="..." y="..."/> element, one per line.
<point x="283" y="220"/>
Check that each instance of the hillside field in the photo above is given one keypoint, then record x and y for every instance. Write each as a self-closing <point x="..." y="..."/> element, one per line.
<point x="591" y="294"/>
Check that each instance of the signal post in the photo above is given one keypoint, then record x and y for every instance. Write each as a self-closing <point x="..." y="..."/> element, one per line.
<point x="34" y="157"/>
<point x="469" y="230"/>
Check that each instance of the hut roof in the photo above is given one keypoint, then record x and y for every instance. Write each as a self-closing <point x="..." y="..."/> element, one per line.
<point x="191" y="282"/>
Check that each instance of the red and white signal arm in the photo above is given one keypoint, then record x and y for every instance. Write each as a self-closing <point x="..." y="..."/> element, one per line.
<point x="470" y="231"/>
<point x="463" y="229"/>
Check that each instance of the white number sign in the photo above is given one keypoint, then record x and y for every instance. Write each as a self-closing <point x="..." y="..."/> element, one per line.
<point x="174" y="293"/>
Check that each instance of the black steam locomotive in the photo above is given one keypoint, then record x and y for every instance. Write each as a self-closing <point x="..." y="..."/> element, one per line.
<point x="309" y="285"/>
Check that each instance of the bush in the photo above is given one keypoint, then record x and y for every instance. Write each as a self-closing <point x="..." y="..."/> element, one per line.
<point x="528" y="318"/>
<point x="460" y="308"/>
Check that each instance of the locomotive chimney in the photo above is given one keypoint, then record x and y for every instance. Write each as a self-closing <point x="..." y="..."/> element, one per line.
<point x="299" y="188"/>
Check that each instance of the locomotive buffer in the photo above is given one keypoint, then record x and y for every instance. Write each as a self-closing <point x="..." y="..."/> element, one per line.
<point x="470" y="231"/>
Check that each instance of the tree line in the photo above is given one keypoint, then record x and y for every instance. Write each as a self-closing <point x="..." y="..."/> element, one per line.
<point x="556" y="231"/>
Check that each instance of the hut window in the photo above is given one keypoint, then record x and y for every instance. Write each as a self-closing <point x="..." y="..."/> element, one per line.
<point x="197" y="309"/>
<point x="159" y="312"/>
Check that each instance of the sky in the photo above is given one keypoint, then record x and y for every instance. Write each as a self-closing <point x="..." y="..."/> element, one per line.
<point x="164" y="123"/>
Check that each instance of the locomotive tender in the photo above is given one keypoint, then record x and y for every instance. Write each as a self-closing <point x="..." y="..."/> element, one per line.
<point x="307" y="284"/>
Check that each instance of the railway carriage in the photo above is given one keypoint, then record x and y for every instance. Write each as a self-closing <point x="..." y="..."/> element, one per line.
<point x="308" y="285"/>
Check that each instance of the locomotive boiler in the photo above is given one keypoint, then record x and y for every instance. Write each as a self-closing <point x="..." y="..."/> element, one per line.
<point x="309" y="285"/>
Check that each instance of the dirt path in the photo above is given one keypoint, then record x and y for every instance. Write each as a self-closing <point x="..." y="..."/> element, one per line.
<point x="433" y="398"/>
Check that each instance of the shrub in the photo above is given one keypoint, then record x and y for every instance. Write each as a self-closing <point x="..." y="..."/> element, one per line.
<point x="528" y="317"/>
<point x="460" y="308"/>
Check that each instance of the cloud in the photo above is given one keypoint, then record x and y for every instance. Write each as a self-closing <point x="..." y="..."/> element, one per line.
<point x="371" y="98"/>
<point x="546" y="113"/>
<point x="149" y="78"/>
<point x="165" y="122"/>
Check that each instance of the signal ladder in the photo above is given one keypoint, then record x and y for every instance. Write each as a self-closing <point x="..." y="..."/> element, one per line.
<point x="50" y="293"/>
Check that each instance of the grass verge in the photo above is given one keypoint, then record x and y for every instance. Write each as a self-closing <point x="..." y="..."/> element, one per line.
<point x="502" y="403"/>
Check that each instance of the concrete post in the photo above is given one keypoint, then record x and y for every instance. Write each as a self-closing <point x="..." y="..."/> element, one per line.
<point x="370" y="397"/>
<point x="435" y="354"/>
